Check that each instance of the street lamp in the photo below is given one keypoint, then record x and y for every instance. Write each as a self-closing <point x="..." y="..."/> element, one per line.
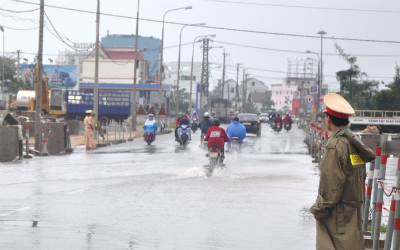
<point x="179" y="66"/>
<point x="191" y="74"/>
<point x="2" y="75"/>
<point x="162" y="54"/>
<point x="318" y="80"/>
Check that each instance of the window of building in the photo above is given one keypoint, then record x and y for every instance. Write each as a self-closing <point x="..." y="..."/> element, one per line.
<point x="232" y="90"/>
<point x="194" y="78"/>
<point x="277" y="92"/>
<point x="253" y="84"/>
<point x="280" y="92"/>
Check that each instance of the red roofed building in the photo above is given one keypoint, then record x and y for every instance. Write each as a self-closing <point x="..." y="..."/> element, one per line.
<point x="116" y="65"/>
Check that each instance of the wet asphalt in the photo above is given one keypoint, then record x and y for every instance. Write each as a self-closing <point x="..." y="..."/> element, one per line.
<point x="134" y="196"/>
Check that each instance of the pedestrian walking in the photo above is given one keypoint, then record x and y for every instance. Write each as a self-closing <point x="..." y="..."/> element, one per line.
<point x="89" y="128"/>
<point x="340" y="194"/>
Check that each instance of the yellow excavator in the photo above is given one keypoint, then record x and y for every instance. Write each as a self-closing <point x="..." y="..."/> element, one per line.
<point x="53" y="101"/>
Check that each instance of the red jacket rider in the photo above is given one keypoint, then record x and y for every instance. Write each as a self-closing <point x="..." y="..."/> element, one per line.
<point x="216" y="135"/>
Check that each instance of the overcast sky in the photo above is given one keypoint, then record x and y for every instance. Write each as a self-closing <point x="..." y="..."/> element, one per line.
<point x="381" y="23"/>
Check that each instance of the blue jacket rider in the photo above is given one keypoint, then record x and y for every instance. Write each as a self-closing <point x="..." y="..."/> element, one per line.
<point x="236" y="129"/>
<point x="150" y="126"/>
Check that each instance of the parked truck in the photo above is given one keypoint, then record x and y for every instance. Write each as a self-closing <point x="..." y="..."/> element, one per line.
<point x="220" y="107"/>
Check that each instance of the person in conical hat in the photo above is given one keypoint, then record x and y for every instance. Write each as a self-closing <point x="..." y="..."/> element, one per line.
<point x="337" y="209"/>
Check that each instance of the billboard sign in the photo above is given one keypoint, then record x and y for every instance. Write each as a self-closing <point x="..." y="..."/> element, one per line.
<point x="60" y="76"/>
<point x="314" y="89"/>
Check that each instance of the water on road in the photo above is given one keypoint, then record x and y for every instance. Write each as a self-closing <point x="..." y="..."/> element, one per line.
<point x="134" y="196"/>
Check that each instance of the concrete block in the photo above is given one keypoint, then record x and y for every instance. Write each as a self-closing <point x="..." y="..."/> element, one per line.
<point x="73" y="126"/>
<point x="57" y="142"/>
<point x="9" y="143"/>
<point x="29" y="114"/>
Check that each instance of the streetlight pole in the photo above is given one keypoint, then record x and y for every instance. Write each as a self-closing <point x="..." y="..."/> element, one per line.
<point x="133" y="125"/>
<point x="191" y="73"/>
<point x="2" y="75"/>
<point x="162" y="55"/>
<point x="179" y="67"/>
<point x="321" y="73"/>
<point x="318" y="80"/>
<point x="96" y="71"/>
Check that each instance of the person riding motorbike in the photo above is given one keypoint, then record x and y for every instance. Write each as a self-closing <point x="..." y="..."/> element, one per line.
<point x="194" y="115"/>
<point x="213" y="115"/>
<point x="236" y="129"/>
<point x="217" y="136"/>
<point x="204" y="125"/>
<point x="288" y="120"/>
<point x="277" y="119"/>
<point x="184" y="121"/>
<point x="150" y="126"/>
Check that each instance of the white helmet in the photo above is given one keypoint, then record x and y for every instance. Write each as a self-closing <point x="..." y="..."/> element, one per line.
<point x="206" y="114"/>
<point x="194" y="112"/>
<point x="151" y="114"/>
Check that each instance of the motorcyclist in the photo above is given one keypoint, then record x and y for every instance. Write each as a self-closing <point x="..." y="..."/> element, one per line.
<point x="184" y="121"/>
<point x="194" y="115"/>
<point x="177" y="125"/>
<point x="212" y="115"/>
<point x="271" y="117"/>
<point x="236" y="129"/>
<point x="150" y="126"/>
<point x="277" y="119"/>
<point x="204" y="125"/>
<point x="217" y="136"/>
<point x="288" y="120"/>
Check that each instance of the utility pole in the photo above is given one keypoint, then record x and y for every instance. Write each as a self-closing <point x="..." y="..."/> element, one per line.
<point x="228" y="91"/>
<point x="204" y="71"/>
<point x="133" y="125"/>
<point x="223" y="76"/>
<point x="160" y="75"/>
<point x="19" y="66"/>
<point x="244" y="94"/>
<point x="237" y="86"/>
<point x="96" y="70"/>
<point x="38" y="105"/>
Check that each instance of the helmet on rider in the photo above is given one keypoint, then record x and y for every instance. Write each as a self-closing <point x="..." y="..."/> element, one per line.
<point x="194" y="112"/>
<point x="216" y="122"/>
<point x="236" y="118"/>
<point x="151" y="114"/>
<point x="206" y="114"/>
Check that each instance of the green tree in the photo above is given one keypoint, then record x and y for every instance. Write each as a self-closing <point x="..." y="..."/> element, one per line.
<point x="251" y="108"/>
<point x="266" y="105"/>
<point x="389" y="99"/>
<point x="356" y="90"/>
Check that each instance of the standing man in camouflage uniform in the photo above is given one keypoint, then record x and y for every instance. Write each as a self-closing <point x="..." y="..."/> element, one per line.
<point x="340" y="194"/>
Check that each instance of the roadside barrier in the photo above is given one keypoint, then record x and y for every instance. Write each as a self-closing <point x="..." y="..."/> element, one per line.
<point x="123" y="130"/>
<point x="115" y="133"/>
<point x="375" y="189"/>
<point x="390" y="225"/>
<point x="27" y="155"/>
<point x="44" y="140"/>
<point x="130" y="131"/>
<point x="69" y="148"/>
<point x="379" y="203"/>
<point x="48" y="138"/>
<point x="367" y="201"/>
<point x="396" y="225"/>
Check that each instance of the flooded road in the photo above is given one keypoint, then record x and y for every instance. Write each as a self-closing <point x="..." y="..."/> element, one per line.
<point x="134" y="196"/>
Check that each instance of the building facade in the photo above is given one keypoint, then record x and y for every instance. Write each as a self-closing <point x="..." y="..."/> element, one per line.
<point x="149" y="46"/>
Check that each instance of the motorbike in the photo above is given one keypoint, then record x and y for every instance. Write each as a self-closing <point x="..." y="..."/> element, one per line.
<point x="184" y="135"/>
<point x="194" y="125"/>
<point x="235" y="145"/>
<point x="215" y="159"/>
<point x="287" y="127"/>
<point x="204" y="143"/>
<point x="149" y="133"/>
<point x="278" y="127"/>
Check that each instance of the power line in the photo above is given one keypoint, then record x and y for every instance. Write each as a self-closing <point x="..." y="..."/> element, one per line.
<point x="20" y="29"/>
<point x="220" y="28"/>
<point x="303" y="7"/>
<point x="15" y="18"/>
<point x="301" y="52"/>
<point x="20" y="11"/>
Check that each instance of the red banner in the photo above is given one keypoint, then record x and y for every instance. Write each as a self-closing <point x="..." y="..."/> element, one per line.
<point x="296" y="104"/>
